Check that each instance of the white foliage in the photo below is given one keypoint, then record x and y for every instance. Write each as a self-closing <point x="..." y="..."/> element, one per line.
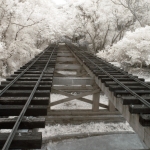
<point x="133" y="49"/>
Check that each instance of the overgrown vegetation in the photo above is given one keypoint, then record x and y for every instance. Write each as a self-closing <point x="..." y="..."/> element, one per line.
<point x="100" y="25"/>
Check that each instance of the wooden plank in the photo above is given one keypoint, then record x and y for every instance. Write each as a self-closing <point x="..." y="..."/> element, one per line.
<point x="26" y="87"/>
<point x="120" y="79"/>
<point x="138" y="109"/>
<point x="25" y="93"/>
<point x="59" y="54"/>
<point x="67" y="66"/>
<point x="14" y="110"/>
<point x="65" y="59"/>
<point x="72" y="87"/>
<point x="30" y="79"/>
<point x="86" y="112"/>
<point x="23" y="140"/>
<point x="75" y="119"/>
<point x="73" y="97"/>
<point x="28" y="82"/>
<point x="113" y="88"/>
<point x="132" y="83"/>
<point x="33" y="75"/>
<point x="128" y="100"/>
<point x="124" y="92"/>
<point x="22" y="100"/>
<point x="72" y="81"/>
<point x="32" y="72"/>
<point x="27" y="123"/>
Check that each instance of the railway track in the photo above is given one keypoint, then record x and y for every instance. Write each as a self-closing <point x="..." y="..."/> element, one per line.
<point x="26" y="93"/>
<point x="25" y="96"/>
<point x="133" y="91"/>
<point x="130" y="94"/>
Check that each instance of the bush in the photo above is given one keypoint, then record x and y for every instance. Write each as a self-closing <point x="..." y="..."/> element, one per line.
<point x="133" y="50"/>
<point x="17" y="54"/>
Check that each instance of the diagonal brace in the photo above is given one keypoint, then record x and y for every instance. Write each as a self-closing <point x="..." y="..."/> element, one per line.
<point x="74" y="97"/>
<point x="81" y="99"/>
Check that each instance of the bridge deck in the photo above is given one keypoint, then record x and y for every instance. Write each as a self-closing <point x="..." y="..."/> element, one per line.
<point x="129" y="94"/>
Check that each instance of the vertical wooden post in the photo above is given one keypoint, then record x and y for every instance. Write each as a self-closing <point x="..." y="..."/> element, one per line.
<point x="111" y="107"/>
<point x="96" y="98"/>
<point x="49" y="107"/>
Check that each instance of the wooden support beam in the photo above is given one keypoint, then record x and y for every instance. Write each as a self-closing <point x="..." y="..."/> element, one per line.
<point x="72" y="81"/>
<point x="56" y="74"/>
<point x="72" y="88"/>
<point x="79" y="112"/>
<point x="79" y="119"/>
<point x="66" y="59"/>
<point x="67" y="66"/>
<point x="81" y="99"/>
<point x="111" y="107"/>
<point x="66" y="54"/>
<point x="96" y="98"/>
<point x="73" y="97"/>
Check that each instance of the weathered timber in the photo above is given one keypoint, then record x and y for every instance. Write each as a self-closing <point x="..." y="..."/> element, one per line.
<point x="132" y="100"/>
<point x="28" y="82"/>
<point x="79" y="112"/>
<point x="81" y="99"/>
<point x="132" y="83"/>
<point x="33" y="72"/>
<point x="120" y="79"/>
<point x="74" y="97"/>
<point x="75" y="119"/>
<point x="72" y="81"/>
<point x="114" y="88"/>
<point x="22" y="100"/>
<point x="138" y="109"/>
<point x="27" y="123"/>
<point x="23" y="140"/>
<point x="33" y="75"/>
<point x="14" y="110"/>
<point x="116" y="76"/>
<point x="25" y="93"/>
<point x="96" y="99"/>
<point x="30" y="79"/>
<point x="123" y="92"/>
<point x="144" y="120"/>
<point x="26" y="87"/>
<point x="68" y="59"/>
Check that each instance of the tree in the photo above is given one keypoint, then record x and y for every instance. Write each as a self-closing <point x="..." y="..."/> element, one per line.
<point x="136" y="7"/>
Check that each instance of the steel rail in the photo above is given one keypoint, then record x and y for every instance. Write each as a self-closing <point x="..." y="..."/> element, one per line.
<point x="20" y="117"/>
<point x="16" y="78"/>
<point x="121" y="84"/>
<point x="121" y="71"/>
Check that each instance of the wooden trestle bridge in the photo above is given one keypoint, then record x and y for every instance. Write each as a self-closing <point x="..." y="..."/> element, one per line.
<point x="26" y="93"/>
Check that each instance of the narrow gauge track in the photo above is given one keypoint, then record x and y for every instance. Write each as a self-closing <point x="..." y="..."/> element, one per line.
<point x="26" y="93"/>
<point x="133" y="91"/>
